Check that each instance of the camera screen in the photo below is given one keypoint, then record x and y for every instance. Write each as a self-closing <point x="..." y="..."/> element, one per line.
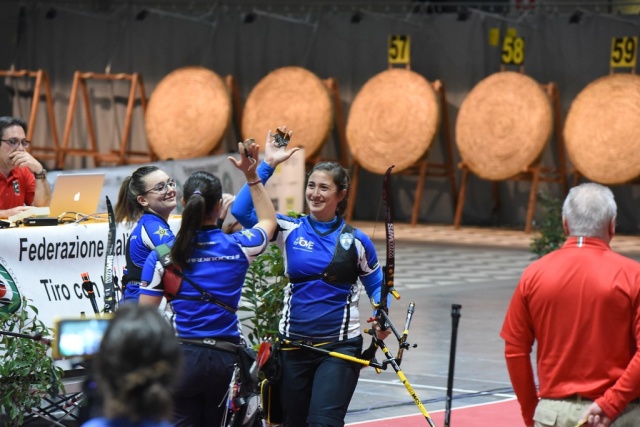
<point x="79" y="337"/>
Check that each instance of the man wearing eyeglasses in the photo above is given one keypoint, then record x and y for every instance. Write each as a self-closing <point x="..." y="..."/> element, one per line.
<point x="23" y="180"/>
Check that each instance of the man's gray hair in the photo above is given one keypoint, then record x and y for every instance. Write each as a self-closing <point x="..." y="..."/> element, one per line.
<point x="589" y="209"/>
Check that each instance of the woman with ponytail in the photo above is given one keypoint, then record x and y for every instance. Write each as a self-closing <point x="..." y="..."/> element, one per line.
<point x="204" y="283"/>
<point x="146" y="198"/>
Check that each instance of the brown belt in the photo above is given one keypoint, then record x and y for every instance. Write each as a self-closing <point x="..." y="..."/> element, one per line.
<point x="211" y="343"/>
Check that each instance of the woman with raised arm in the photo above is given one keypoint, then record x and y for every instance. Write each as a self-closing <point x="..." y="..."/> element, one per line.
<point x="147" y="197"/>
<point x="204" y="282"/>
<point x="324" y="258"/>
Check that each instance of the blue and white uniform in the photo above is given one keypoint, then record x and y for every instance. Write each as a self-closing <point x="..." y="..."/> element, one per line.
<point x="315" y="310"/>
<point x="218" y="264"/>
<point x="150" y="231"/>
<point x="323" y="261"/>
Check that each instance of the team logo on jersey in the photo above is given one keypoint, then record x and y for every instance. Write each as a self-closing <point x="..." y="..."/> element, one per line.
<point x="303" y="243"/>
<point x="10" y="300"/>
<point x="248" y="233"/>
<point x="162" y="232"/>
<point x="346" y="240"/>
<point x="16" y="187"/>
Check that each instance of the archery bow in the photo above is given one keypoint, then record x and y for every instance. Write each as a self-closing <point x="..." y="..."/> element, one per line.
<point x="388" y="270"/>
<point x="390" y="267"/>
<point x="109" y="300"/>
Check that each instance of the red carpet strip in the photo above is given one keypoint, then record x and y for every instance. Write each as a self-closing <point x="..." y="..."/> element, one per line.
<point x="505" y="413"/>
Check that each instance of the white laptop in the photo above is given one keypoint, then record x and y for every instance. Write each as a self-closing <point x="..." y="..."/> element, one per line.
<point x="74" y="193"/>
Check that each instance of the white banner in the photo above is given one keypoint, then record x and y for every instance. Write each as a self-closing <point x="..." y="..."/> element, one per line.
<point x="44" y="264"/>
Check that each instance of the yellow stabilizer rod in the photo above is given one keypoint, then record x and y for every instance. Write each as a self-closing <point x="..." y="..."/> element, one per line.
<point x="404" y="380"/>
<point x="373" y="363"/>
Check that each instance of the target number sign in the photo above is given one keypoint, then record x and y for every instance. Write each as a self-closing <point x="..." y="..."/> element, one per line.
<point x="399" y="49"/>
<point x="513" y="50"/>
<point x="624" y="51"/>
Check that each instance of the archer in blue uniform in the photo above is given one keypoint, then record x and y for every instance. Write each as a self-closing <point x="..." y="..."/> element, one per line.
<point x="204" y="282"/>
<point x="147" y="197"/>
<point x="324" y="258"/>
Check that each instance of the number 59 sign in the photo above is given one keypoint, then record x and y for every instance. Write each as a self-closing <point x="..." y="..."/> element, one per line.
<point x="624" y="51"/>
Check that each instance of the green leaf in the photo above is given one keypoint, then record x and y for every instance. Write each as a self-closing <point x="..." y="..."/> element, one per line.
<point x="552" y="234"/>
<point x="26" y="372"/>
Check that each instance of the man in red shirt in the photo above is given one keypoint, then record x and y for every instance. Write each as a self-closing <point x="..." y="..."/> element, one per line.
<point x="23" y="180"/>
<point x="581" y="304"/>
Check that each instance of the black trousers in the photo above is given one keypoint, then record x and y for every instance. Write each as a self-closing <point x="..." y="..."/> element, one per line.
<point x="317" y="388"/>
<point x="202" y="385"/>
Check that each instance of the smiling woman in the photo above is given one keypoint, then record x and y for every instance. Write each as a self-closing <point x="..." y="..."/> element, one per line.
<point x="324" y="258"/>
<point x="148" y="196"/>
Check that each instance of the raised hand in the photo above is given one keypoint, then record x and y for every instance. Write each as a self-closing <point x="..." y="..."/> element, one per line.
<point x="278" y="152"/>
<point x="249" y="152"/>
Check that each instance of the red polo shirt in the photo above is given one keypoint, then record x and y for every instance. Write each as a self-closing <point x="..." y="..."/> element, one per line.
<point x="17" y="189"/>
<point x="581" y="304"/>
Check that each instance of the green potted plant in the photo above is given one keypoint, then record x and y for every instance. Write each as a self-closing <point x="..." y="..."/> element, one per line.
<point x="550" y="226"/>
<point x="27" y="373"/>
<point x="262" y="294"/>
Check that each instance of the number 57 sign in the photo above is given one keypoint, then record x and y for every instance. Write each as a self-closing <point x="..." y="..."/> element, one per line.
<point x="399" y="49"/>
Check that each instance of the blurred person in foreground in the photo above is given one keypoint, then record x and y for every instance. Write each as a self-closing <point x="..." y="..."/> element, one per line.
<point x="135" y="368"/>
<point x="581" y="303"/>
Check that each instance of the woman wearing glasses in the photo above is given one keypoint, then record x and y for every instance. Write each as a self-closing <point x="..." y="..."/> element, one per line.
<point x="147" y="197"/>
<point x="23" y="180"/>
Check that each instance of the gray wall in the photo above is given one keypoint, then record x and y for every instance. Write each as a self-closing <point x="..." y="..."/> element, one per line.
<point x="325" y="41"/>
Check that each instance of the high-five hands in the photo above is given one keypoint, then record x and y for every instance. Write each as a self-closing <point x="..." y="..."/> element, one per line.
<point x="249" y="152"/>
<point x="276" y="147"/>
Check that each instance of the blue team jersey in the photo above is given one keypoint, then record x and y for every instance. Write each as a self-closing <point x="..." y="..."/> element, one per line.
<point x="313" y="308"/>
<point x="218" y="264"/>
<point x="150" y="231"/>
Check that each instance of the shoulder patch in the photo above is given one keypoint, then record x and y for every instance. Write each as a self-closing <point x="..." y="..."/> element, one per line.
<point x="162" y="232"/>
<point x="248" y="233"/>
<point x="346" y="240"/>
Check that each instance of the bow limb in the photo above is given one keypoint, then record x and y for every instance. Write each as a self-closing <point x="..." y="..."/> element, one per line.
<point x="390" y="265"/>
<point x="381" y="307"/>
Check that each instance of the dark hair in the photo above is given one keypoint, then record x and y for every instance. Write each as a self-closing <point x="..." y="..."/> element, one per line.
<point x="340" y="178"/>
<point x="127" y="207"/>
<point x="8" y="121"/>
<point x="137" y="364"/>
<point x="201" y="193"/>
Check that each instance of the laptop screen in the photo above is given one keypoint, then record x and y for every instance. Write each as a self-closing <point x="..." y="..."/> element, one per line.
<point x="76" y="193"/>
